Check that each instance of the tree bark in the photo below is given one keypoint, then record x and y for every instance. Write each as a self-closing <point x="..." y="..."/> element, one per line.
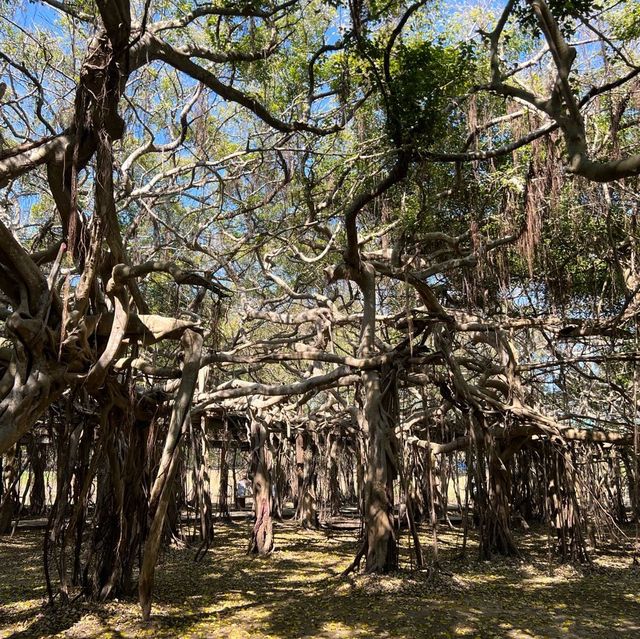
<point x="306" y="466"/>
<point x="38" y="459"/>
<point x="261" y="463"/>
<point x="9" y="478"/>
<point x="381" y="547"/>
<point x="202" y="485"/>
<point x="223" y="486"/>
<point x="161" y="490"/>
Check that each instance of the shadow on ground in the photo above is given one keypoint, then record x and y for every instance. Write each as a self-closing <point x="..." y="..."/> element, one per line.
<point x="297" y="592"/>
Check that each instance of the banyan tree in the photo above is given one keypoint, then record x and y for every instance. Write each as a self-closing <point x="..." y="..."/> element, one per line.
<point x="342" y="248"/>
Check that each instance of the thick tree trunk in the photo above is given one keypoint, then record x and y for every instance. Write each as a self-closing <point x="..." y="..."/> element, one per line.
<point x="496" y="535"/>
<point x="121" y="505"/>
<point x="493" y="492"/>
<point x="202" y="486"/>
<point x="9" y="499"/>
<point x="26" y="401"/>
<point x="381" y="555"/>
<point x="306" y="466"/>
<point x="261" y="463"/>
<point x="103" y="572"/>
<point x="565" y="515"/>
<point x="381" y="547"/>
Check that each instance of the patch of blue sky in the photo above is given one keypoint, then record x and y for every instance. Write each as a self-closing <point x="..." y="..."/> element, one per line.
<point x="26" y="201"/>
<point x="31" y="15"/>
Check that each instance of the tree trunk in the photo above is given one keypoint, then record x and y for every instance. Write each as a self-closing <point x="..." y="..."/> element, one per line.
<point x="306" y="464"/>
<point x="493" y="504"/>
<point x="381" y="556"/>
<point x="38" y="460"/>
<point x="121" y="505"/>
<point x="278" y="482"/>
<point x="299" y="471"/>
<point x="161" y="490"/>
<point x="381" y="547"/>
<point x="261" y="463"/>
<point x="632" y="488"/>
<point x="334" y="483"/>
<point x="9" y="500"/>
<point x="564" y="511"/>
<point x="223" y="486"/>
<point x="202" y="485"/>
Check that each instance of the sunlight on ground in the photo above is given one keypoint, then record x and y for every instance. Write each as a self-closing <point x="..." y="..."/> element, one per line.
<point x="297" y="593"/>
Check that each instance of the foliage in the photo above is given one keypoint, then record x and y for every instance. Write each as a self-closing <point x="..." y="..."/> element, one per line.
<point x="426" y="78"/>
<point x="567" y="12"/>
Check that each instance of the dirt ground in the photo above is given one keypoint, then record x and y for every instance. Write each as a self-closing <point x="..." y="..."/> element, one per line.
<point x="297" y="592"/>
